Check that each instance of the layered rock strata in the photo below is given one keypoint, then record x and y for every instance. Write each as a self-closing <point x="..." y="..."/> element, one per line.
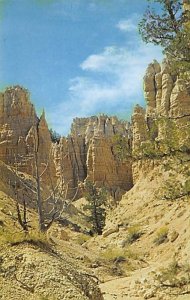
<point x="164" y="127"/>
<point x="101" y="149"/>
<point x="90" y="153"/>
<point x="22" y="133"/>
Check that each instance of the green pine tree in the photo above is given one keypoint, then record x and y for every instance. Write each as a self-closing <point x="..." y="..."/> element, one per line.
<point x="55" y="137"/>
<point x="170" y="28"/>
<point x="96" y="199"/>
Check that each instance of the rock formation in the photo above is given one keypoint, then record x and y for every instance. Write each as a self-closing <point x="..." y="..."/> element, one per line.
<point x="90" y="153"/>
<point x="164" y="127"/>
<point x="22" y="132"/>
<point x="139" y="127"/>
<point x="168" y="105"/>
<point x="17" y="116"/>
<point x="100" y="149"/>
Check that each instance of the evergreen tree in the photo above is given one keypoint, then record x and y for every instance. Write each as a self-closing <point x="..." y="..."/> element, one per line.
<point x="55" y="137"/>
<point x="96" y="199"/>
<point x="169" y="28"/>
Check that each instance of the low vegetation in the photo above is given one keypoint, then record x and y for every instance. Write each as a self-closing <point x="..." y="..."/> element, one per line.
<point x="46" y="298"/>
<point x="119" y="260"/>
<point x="11" y="237"/>
<point x="134" y="233"/>
<point x="174" y="189"/>
<point x="175" y="275"/>
<point x="161" y="236"/>
<point x="113" y="254"/>
<point x="121" y="147"/>
<point x="82" y="238"/>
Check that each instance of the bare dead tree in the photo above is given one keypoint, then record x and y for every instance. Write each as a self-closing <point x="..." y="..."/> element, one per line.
<point x="46" y="218"/>
<point x="57" y="195"/>
<point x="22" y="217"/>
<point x="34" y="191"/>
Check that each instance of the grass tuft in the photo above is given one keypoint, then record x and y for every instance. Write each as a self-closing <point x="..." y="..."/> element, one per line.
<point x="175" y="275"/>
<point x="134" y="233"/>
<point x="161" y="236"/>
<point x="82" y="238"/>
<point x="13" y="238"/>
<point x="115" y="254"/>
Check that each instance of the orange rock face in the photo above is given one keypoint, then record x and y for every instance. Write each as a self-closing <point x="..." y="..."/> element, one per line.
<point x="164" y="127"/>
<point x="21" y="131"/>
<point x="100" y="149"/>
<point x="89" y="154"/>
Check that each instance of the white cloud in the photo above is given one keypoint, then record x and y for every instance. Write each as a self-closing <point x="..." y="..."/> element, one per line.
<point x="112" y="82"/>
<point x="128" y="25"/>
<point x="108" y="61"/>
<point x="125" y="67"/>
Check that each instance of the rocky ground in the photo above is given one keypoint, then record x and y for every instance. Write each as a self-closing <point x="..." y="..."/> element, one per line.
<point x="142" y="254"/>
<point x="147" y="239"/>
<point x="39" y="267"/>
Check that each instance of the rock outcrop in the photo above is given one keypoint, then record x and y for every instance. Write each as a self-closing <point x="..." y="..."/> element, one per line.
<point x="166" y="95"/>
<point x="164" y="127"/>
<point x="90" y="153"/>
<point x="17" y="116"/>
<point x="100" y="149"/>
<point x="139" y="127"/>
<point x="22" y="132"/>
<point x="93" y="150"/>
<point x="167" y="111"/>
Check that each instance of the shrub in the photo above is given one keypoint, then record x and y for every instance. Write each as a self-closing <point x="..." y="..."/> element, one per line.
<point x="121" y="147"/>
<point x="37" y="236"/>
<point x="113" y="254"/>
<point x="174" y="275"/>
<point x="39" y="239"/>
<point x="134" y="233"/>
<point x="172" y="190"/>
<point x="117" y="254"/>
<point x="82" y="238"/>
<point x="161" y="236"/>
<point x="148" y="149"/>
<point x="119" y="261"/>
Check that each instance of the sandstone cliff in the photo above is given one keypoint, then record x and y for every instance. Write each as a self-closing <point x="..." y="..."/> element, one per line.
<point x="164" y="127"/>
<point x="91" y="152"/>
<point x="101" y="149"/>
<point x="17" y="116"/>
<point x="112" y="153"/>
<point x="22" y="132"/>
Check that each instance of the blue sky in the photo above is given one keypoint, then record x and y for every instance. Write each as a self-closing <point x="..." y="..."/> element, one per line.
<point x="77" y="57"/>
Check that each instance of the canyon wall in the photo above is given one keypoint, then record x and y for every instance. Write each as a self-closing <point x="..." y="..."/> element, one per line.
<point x="22" y="134"/>
<point x="101" y="149"/>
<point x="91" y="152"/>
<point x="163" y="128"/>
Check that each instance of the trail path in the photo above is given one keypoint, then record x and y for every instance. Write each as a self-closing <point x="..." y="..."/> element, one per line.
<point x="133" y="287"/>
<point x="128" y="288"/>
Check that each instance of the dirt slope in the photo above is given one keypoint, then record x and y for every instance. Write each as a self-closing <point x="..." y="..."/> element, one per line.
<point x="146" y="232"/>
<point x="151" y="232"/>
<point x="35" y="266"/>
